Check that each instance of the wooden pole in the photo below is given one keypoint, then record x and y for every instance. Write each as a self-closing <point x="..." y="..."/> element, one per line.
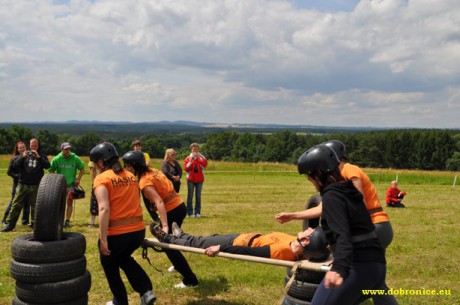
<point x="455" y="181"/>
<point x="305" y="264"/>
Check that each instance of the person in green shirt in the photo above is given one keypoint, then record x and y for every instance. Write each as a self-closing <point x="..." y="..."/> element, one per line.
<point x="68" y="163"/>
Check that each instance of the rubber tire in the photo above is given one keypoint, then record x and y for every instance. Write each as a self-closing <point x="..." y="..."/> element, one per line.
<point x="288" y="300"/>
<point x="47" y="273"/>
<point x="314" y="201"/>
<point x="27" y="250"/>
<point x="309" y="276"/>
<point x="80" y="301"/>
<point x="57" y="292"/>
<point x="50" y="208"/>
<point x="302" y="290"/>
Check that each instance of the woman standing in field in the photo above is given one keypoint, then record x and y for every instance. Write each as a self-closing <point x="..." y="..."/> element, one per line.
<point x="171" y="168"/>
<point x="194" y="165"/>
<point x="121" y="226"/>
<point x="359" y="259"/>
<point x="363" y="184"/>
<point x="162" y="197"/>
<point x="19" y="149"/>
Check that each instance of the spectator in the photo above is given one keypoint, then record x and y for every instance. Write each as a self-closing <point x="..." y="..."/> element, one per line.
<point x="121" y="225"/>
<point x="194" y="165"/>
<point x="159" y="195"/>
<point x="171" y="168"/>
<point x="137" y="145"/>
<point x="395" y="196"/>
<point x="359" y="259"/>
<point x="19" y="148"/>
<point x="30" y="165"/>
<point x="67" y="163"/>
<point x="309" y="244"/>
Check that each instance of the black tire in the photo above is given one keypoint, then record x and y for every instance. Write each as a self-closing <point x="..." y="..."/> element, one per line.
<point x="80" y="301"/>
<point x="50" y="208"/>
<point x="47" y="273"/>
<point x="288" y="300"/>
<point x="27" y="250"/>
<point x="309" y="276"/>
<point x="302" y="290"/>
<point x="314" y="201"/>
<point x="57" y="292"/>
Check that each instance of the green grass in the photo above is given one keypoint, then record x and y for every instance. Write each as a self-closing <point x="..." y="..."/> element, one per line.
<point x="241" y="197"/>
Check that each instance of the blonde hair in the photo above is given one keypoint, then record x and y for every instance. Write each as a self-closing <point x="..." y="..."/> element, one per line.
<point x="167" y="152"/>
<point x="194" y="145"/>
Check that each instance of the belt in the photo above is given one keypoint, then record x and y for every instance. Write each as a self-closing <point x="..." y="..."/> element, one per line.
<point x="359" y="238"/>
<point x="125" y="221"/>
<point x="362" y="237"/>
<point x="170" y="197"/>
<point x="250" y="239"/>
<point x="375" y="210"/>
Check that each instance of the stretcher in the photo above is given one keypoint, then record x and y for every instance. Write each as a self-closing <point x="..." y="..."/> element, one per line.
<point x="323" y="266"/>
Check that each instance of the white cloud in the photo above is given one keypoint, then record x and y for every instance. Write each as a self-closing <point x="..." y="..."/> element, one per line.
<point x="389" y="63"/>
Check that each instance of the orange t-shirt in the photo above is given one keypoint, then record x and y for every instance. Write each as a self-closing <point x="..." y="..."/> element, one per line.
<point x="371" y="198"/>
<point x="280" y="244"/>
<point x="124" y="199"/>
<point x="163" y="186"/>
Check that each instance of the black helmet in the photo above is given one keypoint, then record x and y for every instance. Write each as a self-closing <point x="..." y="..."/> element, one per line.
<point x="318" y="157"/>
<point x="134" y="157"/>
<point x="338" y="147"/>
<point x="104" y="151"/>
<point x="317" y="248"/>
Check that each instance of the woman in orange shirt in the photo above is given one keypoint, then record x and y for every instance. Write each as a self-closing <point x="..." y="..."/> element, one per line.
<point x="121" y="225"/>
<point x="161" y="196"/>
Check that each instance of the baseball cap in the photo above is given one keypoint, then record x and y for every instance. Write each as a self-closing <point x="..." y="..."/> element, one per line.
<point x="65" y="145"/>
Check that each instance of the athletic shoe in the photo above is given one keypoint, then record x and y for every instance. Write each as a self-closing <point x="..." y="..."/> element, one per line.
<point x="172" y="269"/>
<point x="197" y="215"/>
<point x="182" y="285"/>
<point x="148" y="298"/>
<point x="176" y="230"/>
<point x="7" y="229"/>
<point x="191" y="216"/>
<point x="109" y="303"/>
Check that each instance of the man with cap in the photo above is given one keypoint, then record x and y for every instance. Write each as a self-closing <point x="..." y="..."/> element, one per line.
<point x="67" y="163"/>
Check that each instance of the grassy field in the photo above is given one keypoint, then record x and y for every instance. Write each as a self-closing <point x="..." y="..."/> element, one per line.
<point x="245" y="197"/>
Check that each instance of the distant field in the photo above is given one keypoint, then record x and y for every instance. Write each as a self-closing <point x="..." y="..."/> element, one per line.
<point x="240" y="197"/>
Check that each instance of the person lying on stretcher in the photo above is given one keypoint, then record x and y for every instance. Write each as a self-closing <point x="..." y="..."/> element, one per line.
<point x="310" y="244"/>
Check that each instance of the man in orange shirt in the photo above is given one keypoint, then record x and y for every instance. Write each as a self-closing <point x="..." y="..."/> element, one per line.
<point x="309" y="244"/>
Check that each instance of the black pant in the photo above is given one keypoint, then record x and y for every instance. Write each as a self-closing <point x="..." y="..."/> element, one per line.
<point x="121" y="247"/>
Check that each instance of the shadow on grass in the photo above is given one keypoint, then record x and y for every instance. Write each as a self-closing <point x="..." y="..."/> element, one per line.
<point x="209" y="288"/>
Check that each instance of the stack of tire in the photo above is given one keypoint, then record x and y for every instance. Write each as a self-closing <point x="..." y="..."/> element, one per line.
<point x="49" y="266"/>
<point x="305" y="283"/>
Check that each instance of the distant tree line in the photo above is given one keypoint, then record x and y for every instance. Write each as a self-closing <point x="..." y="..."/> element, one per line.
<point x="426" y="149"/>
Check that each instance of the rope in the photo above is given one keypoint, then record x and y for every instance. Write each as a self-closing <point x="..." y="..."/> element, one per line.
<point x="289" y="283"/>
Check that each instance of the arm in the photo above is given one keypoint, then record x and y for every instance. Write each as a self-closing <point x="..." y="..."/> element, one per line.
<point x="80" y="174"/>
<point x="44" y="161"/>
<point x="11" y="170"/>
<point x="153" y="196"/>
<point x="305" y="214"/>
<point x="188" y="163"/>
<point x="92" y="173"/>
<point x="256" y="251"/>
<point x="164" y="170"/>
<point x="102" y="196"/>
<point x="202" y="161"/>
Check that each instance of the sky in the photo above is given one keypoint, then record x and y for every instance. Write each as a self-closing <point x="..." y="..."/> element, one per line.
<point x="348" y="63"/>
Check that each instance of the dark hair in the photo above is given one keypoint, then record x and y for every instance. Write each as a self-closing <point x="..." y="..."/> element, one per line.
<point x="15" y="150"/>
<point x="136" y="142"/>
<point x="113" y="164"/>
<point x="326" y="178"/>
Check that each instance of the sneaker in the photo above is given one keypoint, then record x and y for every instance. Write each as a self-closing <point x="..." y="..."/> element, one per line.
<point x="172" y="269"/>
<point x="7" y="229"/>
<point x="67" y="224"/>
<point x="176" y="230"/>
<point x="109" y="303"/>
<point x="148" y="298"/>
<point x="197" y="215"/>
<point x="191" y="216"/>
<point x="156" y="231"/>
<point x="182" y="285"/>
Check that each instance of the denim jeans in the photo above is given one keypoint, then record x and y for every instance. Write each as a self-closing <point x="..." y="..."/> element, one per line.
<point x="191" y="187"/>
